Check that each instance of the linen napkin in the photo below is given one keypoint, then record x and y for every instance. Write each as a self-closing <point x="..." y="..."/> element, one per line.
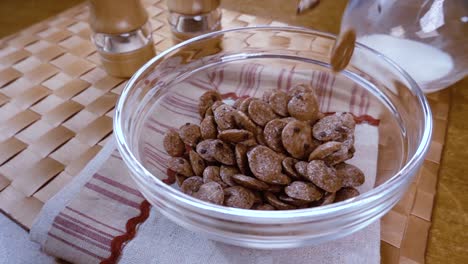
<point x="93" y="217"/>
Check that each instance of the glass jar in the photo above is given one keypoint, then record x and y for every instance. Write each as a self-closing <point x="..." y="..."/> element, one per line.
<point x="122" y="35"/>
<point x="190" y="18"/>
<point x="427" y="38"/>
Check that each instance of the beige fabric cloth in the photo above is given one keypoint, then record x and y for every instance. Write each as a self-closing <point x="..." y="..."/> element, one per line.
<point x="15" y="247"/>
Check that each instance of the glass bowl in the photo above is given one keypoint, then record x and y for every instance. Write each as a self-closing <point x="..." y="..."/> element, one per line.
<point x="164" y="94"/>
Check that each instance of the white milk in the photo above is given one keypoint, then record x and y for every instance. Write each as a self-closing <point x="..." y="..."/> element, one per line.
<point x="423" y="62"/>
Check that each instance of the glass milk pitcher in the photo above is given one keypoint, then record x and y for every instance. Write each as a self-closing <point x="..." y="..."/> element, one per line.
<point x="427" y="38"/>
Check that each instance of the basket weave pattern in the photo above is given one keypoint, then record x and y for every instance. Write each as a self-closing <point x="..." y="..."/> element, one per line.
<point x="56" y="109"/>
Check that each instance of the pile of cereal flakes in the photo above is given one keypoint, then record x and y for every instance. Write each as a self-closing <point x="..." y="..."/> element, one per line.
<point x="275" y="153"/>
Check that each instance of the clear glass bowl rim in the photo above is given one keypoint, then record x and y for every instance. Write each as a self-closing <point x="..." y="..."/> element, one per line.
<point x="384" y="190"/>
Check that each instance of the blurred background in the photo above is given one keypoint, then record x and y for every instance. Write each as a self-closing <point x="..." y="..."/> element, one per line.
<point x="16" y="15"/>
<point x="28" y="12"/>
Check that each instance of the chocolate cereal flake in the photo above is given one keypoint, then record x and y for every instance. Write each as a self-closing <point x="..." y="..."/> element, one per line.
<point x="288" y="167"/>
<point x="235" y="135"/>
<point x="297" y="139"/>
<point x="272" y="134"/>
<point x="207" y="100"/>
<point x="334" y="127"/>
<point x="210" y="192"/>
<point x="224" y="117"/>
<point x="278" y="101"/>
<point x="261" y="112"/>
<point x="208" y="128"/>
<point x="206" y="149"/>
<point x="323" y="176"/>
<point x="250" y="182"/>
<point x="173" y="144"/>
<point x="278" y="204"/>
<point x="223" y="152"/>
<point x="197" y="163"/>
<point x="239" y="197"/>
<point x="304" y="191"/>
<point x="300" y="89"/>
<point x="352" y="176"/>
<point x="180" y="166"/>
<point x="324" y="150"/>
<point x="265" y="164"/>
<point x="190" y="134"/>
<point x="212" y="174"/>
<point x="301" y="168"/>
<point x="303" y="107"/>
<point x="345" y="194"/>
<point x="191" y="185"/>
<point x="226" y="173"/>
<point x="242" y="121"/>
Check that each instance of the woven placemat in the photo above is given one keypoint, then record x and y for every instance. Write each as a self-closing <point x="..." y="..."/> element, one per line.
<point x="56" y="109"/>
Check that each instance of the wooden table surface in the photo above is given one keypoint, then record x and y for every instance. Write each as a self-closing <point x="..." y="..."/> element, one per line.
<point x="448" y="235"/>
